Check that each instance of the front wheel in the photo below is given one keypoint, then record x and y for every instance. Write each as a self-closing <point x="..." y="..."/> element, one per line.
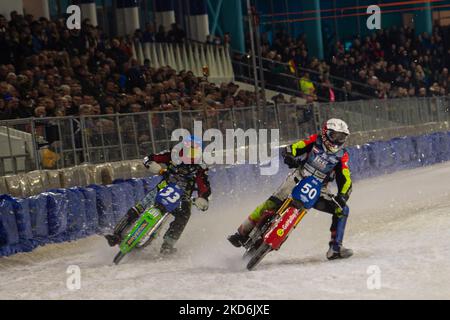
<point x="258" y="255"/>
<point x="251" y="250"/>
<point x="119" y="256"/>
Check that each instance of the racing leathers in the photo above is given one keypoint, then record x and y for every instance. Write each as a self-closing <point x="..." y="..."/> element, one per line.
<point x="190" y="178"/>
<point x="310" y="157"/>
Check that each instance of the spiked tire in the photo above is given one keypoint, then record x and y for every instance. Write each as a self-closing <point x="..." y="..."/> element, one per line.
<point x="119" y="256"/>
<point x="258" y="255"/>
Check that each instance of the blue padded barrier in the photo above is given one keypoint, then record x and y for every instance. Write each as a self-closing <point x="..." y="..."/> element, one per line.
<point x="444" y="146"/>
<point x="236" y="183"/>
<point x="150" y="183"/>
<point x="440" y="142"/>
<point x="424" y="152"/>
<point x="396" y="156"/>
<point x="75" y="212"/>
<point x="383" y="156"/>
<point x="76" y="217"/>
<point x="119" y="201"/>
<point x="90" y="204"/>
<point x="220" y="181"/>
<point x="39" y="217"/>
<point x="57" y="207"/>
<point x="23" y="222"/>
<point x="9" y="235"/>
<point x="104" y="208"/>
<point x="245" y="173"/>
<point x="137" y="189"/>
<point x="366" y="160"/>
<point x="129" y="195"/>
<point x="355" y="163"/>
<point x="405" y="153"/>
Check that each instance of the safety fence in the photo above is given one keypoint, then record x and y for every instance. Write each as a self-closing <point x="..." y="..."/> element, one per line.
<point x="72" y="213"/>
<point x="277" y="77"/>
<point x="55" y="143"/>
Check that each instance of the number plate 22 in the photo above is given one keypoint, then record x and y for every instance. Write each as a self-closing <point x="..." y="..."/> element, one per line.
<point x="307" y="191"/>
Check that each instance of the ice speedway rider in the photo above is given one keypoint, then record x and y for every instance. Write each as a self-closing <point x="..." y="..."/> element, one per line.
<point x="188" y="176"/>
<point x="324" y="156"/>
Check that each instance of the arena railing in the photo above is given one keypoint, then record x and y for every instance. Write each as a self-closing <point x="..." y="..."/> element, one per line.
<point x="63" y="142"/>
<point x="278" y="77"/>
<point x="189" y="56"/>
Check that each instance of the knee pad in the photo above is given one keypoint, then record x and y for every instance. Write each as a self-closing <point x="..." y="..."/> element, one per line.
<point x="346" y="211"/>
<point x="342" y="213"/>
<point x="266" y="205"/>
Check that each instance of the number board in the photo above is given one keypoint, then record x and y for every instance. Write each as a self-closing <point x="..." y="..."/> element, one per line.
<point x="307" y="191"/>
<point x="169" y="197"/>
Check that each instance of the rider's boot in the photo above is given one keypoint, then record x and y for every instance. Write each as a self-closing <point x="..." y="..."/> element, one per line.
<point x="241" y="236"/>
<point x="336" y="249"/>
<point x="338" y="252"/>
<point x="167" y="247"/>
<point x="131" y="216"/>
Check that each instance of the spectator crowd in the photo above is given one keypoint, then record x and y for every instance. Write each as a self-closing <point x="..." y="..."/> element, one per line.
<point x="48" y="70"/>
<point x="389" y="63"/>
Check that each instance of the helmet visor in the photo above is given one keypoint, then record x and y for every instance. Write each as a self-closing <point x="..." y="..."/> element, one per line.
<point x="337" y="138"/>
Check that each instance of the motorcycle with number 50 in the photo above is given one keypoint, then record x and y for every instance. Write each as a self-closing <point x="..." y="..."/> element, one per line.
<point x="274" y="228"/>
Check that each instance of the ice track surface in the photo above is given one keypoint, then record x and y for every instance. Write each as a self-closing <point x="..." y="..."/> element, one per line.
<point x="399" y="222"/>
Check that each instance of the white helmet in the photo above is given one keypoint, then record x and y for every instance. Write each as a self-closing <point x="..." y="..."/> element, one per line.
<point x="334" y="134"/>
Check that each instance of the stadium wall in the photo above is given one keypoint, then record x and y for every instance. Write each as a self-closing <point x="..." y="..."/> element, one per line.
<point x="61" y="215"/>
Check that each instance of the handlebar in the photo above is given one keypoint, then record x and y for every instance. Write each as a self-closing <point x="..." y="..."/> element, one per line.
<point x="332" y="197"/>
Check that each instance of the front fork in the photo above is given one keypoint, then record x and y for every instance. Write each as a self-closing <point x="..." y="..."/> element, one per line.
<point x="283" y="226"/>
<point x="260" y="229"/>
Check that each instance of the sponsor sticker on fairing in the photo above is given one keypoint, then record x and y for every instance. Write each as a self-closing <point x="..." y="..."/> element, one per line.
<point x="137" y="233"/>
<point x="288" y="221"/>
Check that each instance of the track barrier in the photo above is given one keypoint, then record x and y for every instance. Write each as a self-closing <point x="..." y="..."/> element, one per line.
<point x="68" y="214"/>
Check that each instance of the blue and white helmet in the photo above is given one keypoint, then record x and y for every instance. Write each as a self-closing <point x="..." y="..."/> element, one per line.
<point x="334" y="134"/>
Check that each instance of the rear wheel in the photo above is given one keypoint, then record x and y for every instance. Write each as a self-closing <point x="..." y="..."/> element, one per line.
<point x="258" y="255"/>
<point x="119" y="256"/>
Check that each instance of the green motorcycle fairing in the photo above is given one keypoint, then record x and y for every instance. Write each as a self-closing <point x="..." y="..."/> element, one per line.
<point x="142" y="227"/>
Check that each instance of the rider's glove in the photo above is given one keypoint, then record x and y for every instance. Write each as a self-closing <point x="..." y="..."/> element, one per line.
<point x="201" y="203"/>
<point x="341" y="200"/>
<point x="146" y="161"/>
<point x="290" y="160"/>
<point x="152" y="166"/>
